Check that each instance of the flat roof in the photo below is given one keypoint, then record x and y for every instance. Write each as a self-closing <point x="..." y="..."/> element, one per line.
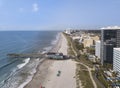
<point x="117" y="49"/>
<point x="98" y="41"/>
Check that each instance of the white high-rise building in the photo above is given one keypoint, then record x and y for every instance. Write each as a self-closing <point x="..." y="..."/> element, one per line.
<point x="116" y="60"/>
<point x="68" y="31"/>
<point x="97" y="48"/>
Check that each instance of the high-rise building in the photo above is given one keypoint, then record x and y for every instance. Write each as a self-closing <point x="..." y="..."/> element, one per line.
<point x="116" y="60"/>
<point x="118" y="38"/>
<point x="97" y="48"/>
<point x="110" y="38"/>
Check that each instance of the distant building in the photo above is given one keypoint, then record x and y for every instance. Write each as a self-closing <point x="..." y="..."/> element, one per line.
<point x="68" y="31"/>
<point x="97" y="48"/>
<point x="95" y="38"/>
<point x="76" y="37"/>
<point x="88" y="42"/>
<point x="91" y="57"/>
<point x="116" y="60"/>
<point x="80" y="40"/>
<point x="110" y="38"/>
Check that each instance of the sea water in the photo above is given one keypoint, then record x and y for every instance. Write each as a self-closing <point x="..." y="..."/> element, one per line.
<point x="17" y="72"/>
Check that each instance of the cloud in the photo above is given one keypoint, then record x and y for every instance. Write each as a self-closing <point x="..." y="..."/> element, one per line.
<point x="35" y="7"/>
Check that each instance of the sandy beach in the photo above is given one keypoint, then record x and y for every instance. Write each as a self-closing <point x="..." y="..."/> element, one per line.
<point x="47" y="71"/>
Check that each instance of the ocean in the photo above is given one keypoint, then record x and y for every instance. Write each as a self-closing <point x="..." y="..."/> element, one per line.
<point x="17" y="72"/>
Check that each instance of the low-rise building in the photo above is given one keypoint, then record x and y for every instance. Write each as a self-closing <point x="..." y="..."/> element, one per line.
<point x="91" y="57"/>
<point x="52" y="55"/>
<point x="76" y="37"/>
<point x="87" y="42"/>
<point x="95" y="38"/>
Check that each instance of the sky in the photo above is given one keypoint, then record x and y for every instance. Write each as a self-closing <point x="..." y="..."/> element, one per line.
<point x="58" y="14"/>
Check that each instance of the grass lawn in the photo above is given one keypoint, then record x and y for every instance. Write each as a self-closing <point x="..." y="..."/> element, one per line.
<point x="81" y="71"/>
<point x="83" y="75"/>
<point x="84" y="60"/>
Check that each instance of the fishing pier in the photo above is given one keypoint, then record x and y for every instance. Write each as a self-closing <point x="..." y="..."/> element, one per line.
<point x="49" y="55"/>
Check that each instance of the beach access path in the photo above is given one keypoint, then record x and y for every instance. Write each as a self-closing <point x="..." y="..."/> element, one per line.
<point x="47" y="71"/>
<point x="89" y="70"/>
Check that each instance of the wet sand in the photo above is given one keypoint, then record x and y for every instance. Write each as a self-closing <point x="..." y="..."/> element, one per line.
<point x="47" y="70"/>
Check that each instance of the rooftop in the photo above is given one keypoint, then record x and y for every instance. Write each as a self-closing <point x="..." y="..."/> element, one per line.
<point x="111" y="27"/>
<point x="98" y="41"/>
<point x="117" y="49"/>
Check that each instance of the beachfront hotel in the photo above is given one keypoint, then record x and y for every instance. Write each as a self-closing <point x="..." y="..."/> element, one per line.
<point x="116" y="60"/>
<point x="110" y="38"/>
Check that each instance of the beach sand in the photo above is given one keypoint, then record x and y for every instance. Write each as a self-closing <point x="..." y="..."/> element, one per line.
<point x="47" y="71"/>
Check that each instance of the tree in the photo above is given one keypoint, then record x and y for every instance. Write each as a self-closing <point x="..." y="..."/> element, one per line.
<point x="90" y="50"/>
<point x="78" y="45"/>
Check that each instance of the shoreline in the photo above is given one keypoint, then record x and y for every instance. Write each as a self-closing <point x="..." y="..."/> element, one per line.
<point x="46" y="75"/>
<point x="44" y="62"/>
<point x="24" y="70"/>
